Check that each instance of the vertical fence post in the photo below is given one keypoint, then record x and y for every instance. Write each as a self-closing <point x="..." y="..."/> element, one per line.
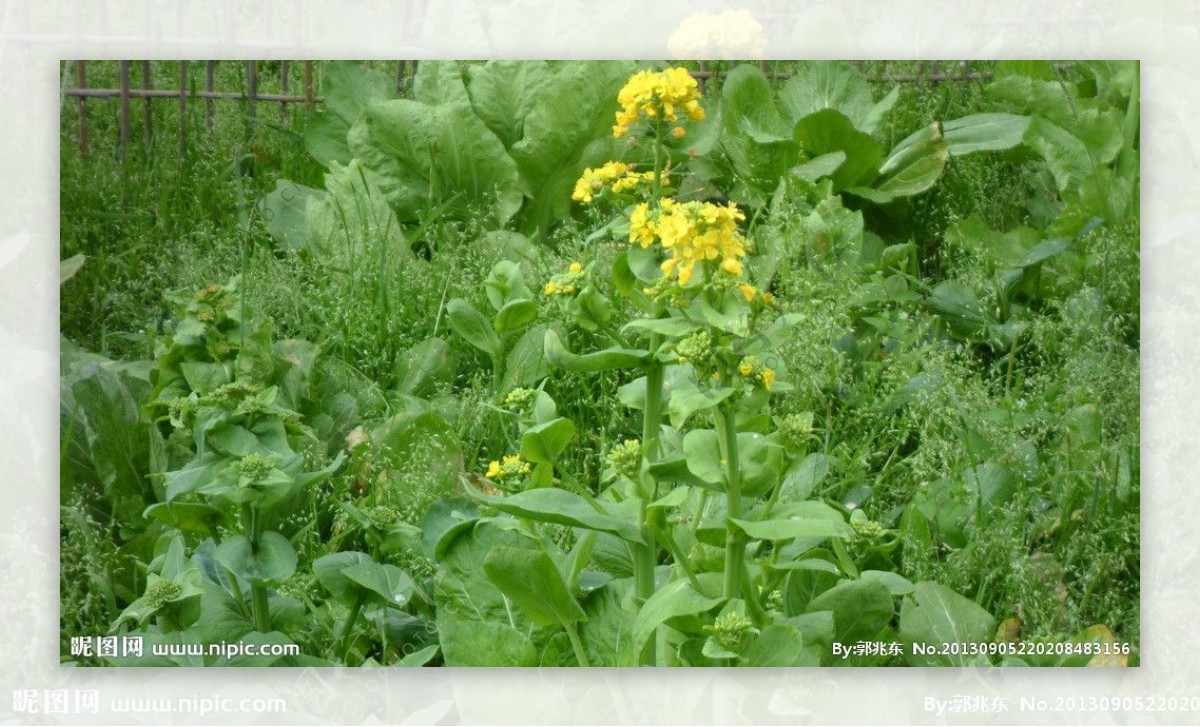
<point x="283" y="89"/>
<point x="183" y="118"/>
<point x="308" y="85"/>
<point x="703" y="76"/>
<point x="147" y="109"/>
<point x="81" y="107"/>
<point x="400" y="75"/>
<point x="251" y="97"/>
<point x="208" y="99"/>
<point x="123" y="72"/>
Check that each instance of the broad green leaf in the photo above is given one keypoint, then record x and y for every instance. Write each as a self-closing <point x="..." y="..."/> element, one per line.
<point x="194" y="516"/>
<point x="673" y="327"/>
<point x="677" y="598"/>
<point x="809" y="519"/>
<point x="204" y="377"/>
<point x="781" y="645"/>
<point x="386" y="583"/>
<point x="347" y="87"/>
<point x="1066" y="156"/>
<point x="193" y="475"/>
<point x="462" y="589"/>
<point x="702" y="447"/>
<point x="473" y="327"/>
<point x="935" y="615"/>
<point x="686" y="401"/>
<point x="861" y="609"/>
<point x="354" y="215"/>
<point x="828" y="131"/>
<point x="607" y="634"/>
<point x="896" y="584"/>
<point x="274" y="559"/>
<point x="504" y="92"/>
<point x="439" y="82"/>
<point x="912" y="167"/>
<point x="553" y="505"/>
<point x="484" y="643"/>
<point x="526" y="363"/>
<point x="985" y="132"/>
<point x="445" y="518"/>
<point x="421" y="657"/>
<point x="545" y="442"/>
<point x="834" y="85"/>
<point x="959" y="306"/>
<point x="329" y="570"/>
<point x="573" y="107"/>
<point x="822" y="166"/>
<point x="748" y="105"/>
<point x="505" y="284"/>
<point x="558" y="356"/>
<point x="514" y="316"/>
<point x="531" y="581"/>
<point x="802" y="477"/>
<point x="423" y="367"/>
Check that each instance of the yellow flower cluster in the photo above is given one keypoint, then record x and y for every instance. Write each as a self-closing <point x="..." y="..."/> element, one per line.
<point x="511" y="468"/>
<point x="620" y="177"/>
<point x="565" y="284"/>
<point x="753" y="369"/>
<point x="692" y="232"/>
<point x="658" y="95"/>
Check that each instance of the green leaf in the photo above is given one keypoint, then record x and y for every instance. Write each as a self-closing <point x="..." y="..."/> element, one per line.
<point x="558" y="356"/>
<point x="861" y="609"/>
<point x="545" y="442"/>
<point x="473" y="327"/>
<point x="677" y="598"/>
<point x="607" y="634"/>
<point x="531" y="580"/>
<point x="912" y="167"/>
<point x="985" y="132"/>
<point x="781" y="645"/>
<point x="386" y="583"/>
<point x="274" y="559"/>
<point x="420" y="657"/>
<point x="822" y="166"/>
<point x="504" y="92"/>
<point x="702" y="447"/>
<point x="828" y="131"/>
<point x="439" y="82"/>
<point x="484" y="643"/>
<point x="686" y="401"/>
<point x="802" y="477"/>
<point x="748" y="105"/>
<point x="959" y="306"/>
<point x="446" y="518"/>
<point x="553" y="505"/>
<point x="194" y="516"/>
<point x="203" y="377"/>
<point x="835" y="85"/>
<point x="423" y="367"/>
<point x="573" y="107"/>
<point x="514" y="316"/>
<point x="1066" y="156"/>
<point x="329" y="570"/>
<point x="462" y="589"/>
<point x="935" y="615"/>
<point x="285" y="211"/>
<point x="526" y="363"/>
<point x="505" y="284"/>
<point x="810" y="519"/>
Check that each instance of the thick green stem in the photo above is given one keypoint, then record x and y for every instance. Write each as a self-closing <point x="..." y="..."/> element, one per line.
<point x="348" y="627"/>
<point x="735" y="545"/>
<point x="577" y="645"/>
<point x="646" y="555"/>
<point x="252" y="522"/>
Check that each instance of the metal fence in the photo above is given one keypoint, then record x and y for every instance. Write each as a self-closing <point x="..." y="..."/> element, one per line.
<point x="932" y="72"/>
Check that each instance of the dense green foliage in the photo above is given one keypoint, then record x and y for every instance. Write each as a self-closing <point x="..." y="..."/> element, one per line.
<point x="378" y="386"/>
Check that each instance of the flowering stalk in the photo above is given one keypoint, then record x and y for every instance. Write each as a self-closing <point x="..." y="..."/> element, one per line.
<point x="735" y="545"/>
<point x="258" y="590"/>
<point x="646" y="556"/>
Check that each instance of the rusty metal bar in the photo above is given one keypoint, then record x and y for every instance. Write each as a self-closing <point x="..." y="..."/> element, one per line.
<point x="702" y="79"/>
<point x="183" y="117"/>
<point x="81" y="107"/>
<point x="251" y="96"/>
<point x="208" y="89"/>
<point x="147" y="109"/>
<point x="283" y="89"/>
<point x="308" y="85"/>
<point x="172" y="93"/>
<point x="123" y="73"/>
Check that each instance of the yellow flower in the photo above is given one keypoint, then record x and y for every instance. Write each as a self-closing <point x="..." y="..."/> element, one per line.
<point x="745" y="369"/>
<point x="551" y="288"/>
<point x="748" y="291"/>
<point x="493" y="470"/>
<point x="768" y="378"/>
<point x="731" y="266"/>
<point x="678" y="132"/>
<point x="576" y="268"/>
<point x="657" y="94"/>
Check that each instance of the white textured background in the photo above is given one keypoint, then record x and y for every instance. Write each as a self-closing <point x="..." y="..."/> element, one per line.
<point x="35" y="35"/>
